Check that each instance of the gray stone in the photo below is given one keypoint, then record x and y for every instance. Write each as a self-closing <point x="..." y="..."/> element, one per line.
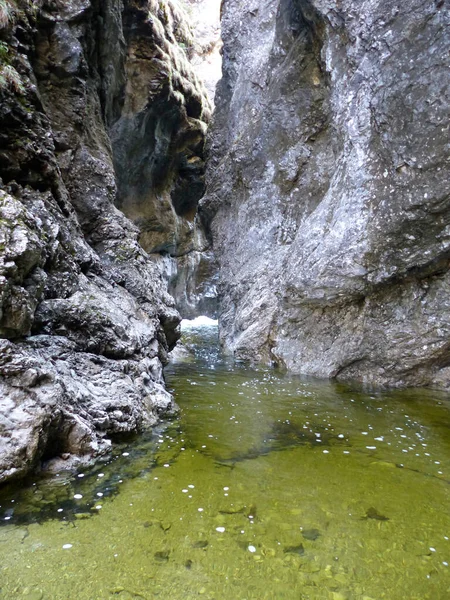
<point x="328" y="185"/>
<point x="157" y="137"/>
<point x="86" y="321"/>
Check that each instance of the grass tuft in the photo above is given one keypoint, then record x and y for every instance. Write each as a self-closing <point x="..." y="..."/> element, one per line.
<point x="4" y="50"/>
<point x="9" y="77"/>
<point x="6" y="13"/>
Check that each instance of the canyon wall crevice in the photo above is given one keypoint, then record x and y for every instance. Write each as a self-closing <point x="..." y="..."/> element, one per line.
<point x="328" y="185"/>
<point x="158" y="150"/>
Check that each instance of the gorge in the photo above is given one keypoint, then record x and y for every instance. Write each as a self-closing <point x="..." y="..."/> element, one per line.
<point x="273" y="174"/>
<point x="326" y="202"/>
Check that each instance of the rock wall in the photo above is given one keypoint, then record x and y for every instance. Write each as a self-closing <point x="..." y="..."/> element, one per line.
<point x="96" y="99"/>
<point x="328" y="187"/>
<point x="157" y="136"/>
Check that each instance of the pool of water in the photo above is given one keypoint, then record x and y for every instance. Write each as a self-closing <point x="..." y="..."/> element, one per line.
<point x="267" y="486"/>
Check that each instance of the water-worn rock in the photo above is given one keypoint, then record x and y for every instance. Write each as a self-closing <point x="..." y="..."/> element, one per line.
<point x="86" y="321"/>
<point x="157" y="136"/>
<point x="328" y="198"/>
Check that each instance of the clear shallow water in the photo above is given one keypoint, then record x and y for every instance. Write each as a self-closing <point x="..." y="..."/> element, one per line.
<point x="266" y="487"/>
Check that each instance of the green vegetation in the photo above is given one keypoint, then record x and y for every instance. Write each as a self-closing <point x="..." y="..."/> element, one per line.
<point x="10" y="10"/>
<point x="10" y="78"/>
<point x="6" y="13"/>
<point x="4" y="50"/>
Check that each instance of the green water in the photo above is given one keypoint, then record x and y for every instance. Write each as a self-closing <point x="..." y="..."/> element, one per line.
<point x="266" y="487"/>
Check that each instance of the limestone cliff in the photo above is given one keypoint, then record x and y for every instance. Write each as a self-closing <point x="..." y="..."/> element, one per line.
<point x="98" y="108"/>
<point x="329" y="178"/>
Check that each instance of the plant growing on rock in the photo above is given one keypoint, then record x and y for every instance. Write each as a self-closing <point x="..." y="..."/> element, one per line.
<point x="9" y="77"/>
<point x="6" y="13"/>
<point x="3" y="51"/>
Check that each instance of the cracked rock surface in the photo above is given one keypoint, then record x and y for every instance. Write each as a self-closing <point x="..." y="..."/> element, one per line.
<point x="86" y="321"/>
<point x="328" y="187"/>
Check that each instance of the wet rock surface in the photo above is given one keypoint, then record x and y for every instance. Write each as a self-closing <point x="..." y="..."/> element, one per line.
<point x="86" y="321"/>
<point x="328" y="188"/>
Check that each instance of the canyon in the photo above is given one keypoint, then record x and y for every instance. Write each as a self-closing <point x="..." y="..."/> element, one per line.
<point x="309" y="208"/>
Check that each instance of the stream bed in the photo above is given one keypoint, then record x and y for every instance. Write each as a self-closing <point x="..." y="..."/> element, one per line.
<point x="267" y="486"/>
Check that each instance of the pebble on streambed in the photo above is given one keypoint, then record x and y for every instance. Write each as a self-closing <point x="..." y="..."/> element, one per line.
<point x="311" y="534"/>
<point x="299" y="550"/>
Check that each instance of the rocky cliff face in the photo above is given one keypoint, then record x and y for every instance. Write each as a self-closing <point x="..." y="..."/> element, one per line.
<point x="329" y="183"/>
<point x="98" y="108"/>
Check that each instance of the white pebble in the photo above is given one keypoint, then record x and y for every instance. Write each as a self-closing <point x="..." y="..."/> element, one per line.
<point x="67" y="546"/>
<point x="252" y="548"/>
<point x="200" y="509"/>
<point x="78" y="496"/>
<point x="220" y="529"/>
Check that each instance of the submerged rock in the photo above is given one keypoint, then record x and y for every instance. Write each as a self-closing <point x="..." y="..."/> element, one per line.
<point x="372" y="513"/>
<point x="285" y="436"/>
<point x="328" y="188"/>
<point x="201" y="544"/>
<point x="162" y="556"/>
<point x="299" y="550"/>
<point x="311" y="534"/>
